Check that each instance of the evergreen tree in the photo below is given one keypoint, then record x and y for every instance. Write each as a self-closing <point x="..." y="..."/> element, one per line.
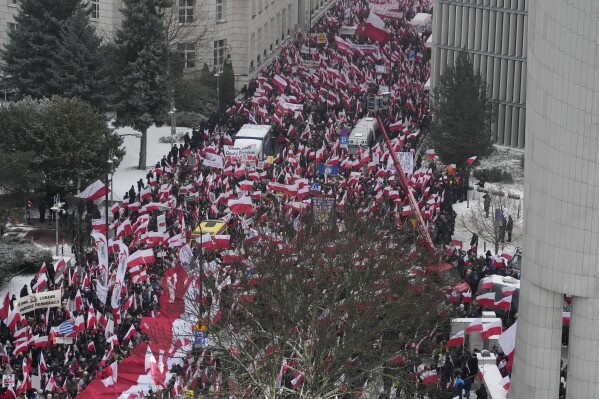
<point x="79" y="67"/>
<point x="227" y="83"/>
<point x="34" y="42"/>
<point x="68" y="140"/>
<point x="142" y="57"/>
<point x="463" y="114"/>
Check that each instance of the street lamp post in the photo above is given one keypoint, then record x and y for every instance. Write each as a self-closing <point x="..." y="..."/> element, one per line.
<point x="109" y="171"/>
<point x="57" y="208"/>
<point x="172" y="112"/>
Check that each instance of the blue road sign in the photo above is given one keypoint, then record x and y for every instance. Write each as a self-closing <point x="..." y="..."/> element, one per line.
<point x="331" y="170"/>
<point x="343" y="140"/>
<point x="314" y="187"/>
<point x="412" y="55"/>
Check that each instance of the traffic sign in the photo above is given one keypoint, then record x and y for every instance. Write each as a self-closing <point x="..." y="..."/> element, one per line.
<point x="321" y="38"/>
<point x="412" y="55"/>
<point x="314" y="187"/>
<point x="343" y="141"/>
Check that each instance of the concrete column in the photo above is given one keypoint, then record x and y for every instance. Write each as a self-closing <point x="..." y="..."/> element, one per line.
<point x="464" y="39"/>
<point x="517" y="81"/>
<point x="451" y="23"/>
<point x="471" y="27"/>
<point x="583" y="356"/>
<point x="514" y="127"/>
<point x="538" y="346"/>
<point x="478" y="28"/>
<point x="457" y="38"/>
<point x="521" y="127"/>
<point x="444" y="15"/>
<point x="501" y="126"/>
<point x="485" y="31"/>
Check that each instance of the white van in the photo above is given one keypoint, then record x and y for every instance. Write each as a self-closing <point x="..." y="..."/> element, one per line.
<point x="258" y="135"/>
<point x="363" y="134"/>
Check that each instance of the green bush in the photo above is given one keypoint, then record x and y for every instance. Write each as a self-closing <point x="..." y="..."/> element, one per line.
<point x="493" y="175"/>
<point x="187" y="119"/>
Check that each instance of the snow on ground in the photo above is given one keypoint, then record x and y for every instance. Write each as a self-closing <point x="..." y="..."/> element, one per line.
<point x="506" y="159"/>
<point x="15" y="284"/>
<point x="127" y="173"/>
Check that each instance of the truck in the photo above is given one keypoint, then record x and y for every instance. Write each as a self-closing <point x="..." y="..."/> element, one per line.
<point x="363" y="134"/>
<point x="259" y="136"/>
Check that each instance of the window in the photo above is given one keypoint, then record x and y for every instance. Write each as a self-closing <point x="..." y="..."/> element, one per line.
<point x="189" y="53"/>
<point x="219" y="52"/>
<point x="11" y="28"/>
<point x="185" y="11"/>
<point x="13" y="2"/>
<point x="220" y="10"/>
<point x="95" y="9"/>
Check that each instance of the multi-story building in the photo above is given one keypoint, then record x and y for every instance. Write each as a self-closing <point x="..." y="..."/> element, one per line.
<point x="561" y="183"/>
<point x="493" y="32"/>
<point x="207" y="31"/>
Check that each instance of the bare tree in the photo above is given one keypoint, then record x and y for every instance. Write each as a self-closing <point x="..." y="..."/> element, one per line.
<point x="319" y="313"/>
<point x="492" y="228"/>
<point x="189" y="27"/>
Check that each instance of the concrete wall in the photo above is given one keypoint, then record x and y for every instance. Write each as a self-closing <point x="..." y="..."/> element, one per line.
<point x="561" y="201"/>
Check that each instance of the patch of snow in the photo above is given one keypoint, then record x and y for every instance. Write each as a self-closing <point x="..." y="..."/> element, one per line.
<point x="127" y="173"/>
<point x="508" y="159"/>
<point x="15" y="284"/>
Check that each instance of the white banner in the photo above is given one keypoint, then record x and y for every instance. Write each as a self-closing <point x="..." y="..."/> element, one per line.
<point x="8" y="380"/>
<point x="41" y="300"/>
<point x="347" y="30"/>
<point x="63" y="340"/>
<point x="101" y="292"/>
<point x="102" y="251"/>
<point x="232" y="151"/>
<point x="406" y="160"/>
<point x="186" y="255"/>
<point x="213" y="161"/>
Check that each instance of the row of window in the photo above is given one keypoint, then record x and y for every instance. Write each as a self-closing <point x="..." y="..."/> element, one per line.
<point x="188" y="50"/>
<point x="186" y="8"/>
<point x="258" y="6"/>
<point x="268" y="35"/>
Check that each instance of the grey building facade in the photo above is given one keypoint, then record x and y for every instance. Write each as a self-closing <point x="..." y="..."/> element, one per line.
<point x="494" y="33"/>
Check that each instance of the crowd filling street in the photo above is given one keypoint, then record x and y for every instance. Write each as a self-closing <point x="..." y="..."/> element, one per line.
<point x="311" y="95"/>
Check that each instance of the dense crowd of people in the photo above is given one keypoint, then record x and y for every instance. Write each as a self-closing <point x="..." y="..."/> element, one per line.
<point x="310" y="99"/>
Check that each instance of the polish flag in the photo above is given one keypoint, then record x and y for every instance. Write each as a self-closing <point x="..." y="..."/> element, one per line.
<point x="94" y="191"/>
<point x="130" y="333"/>
<point x="406" y="211"/>
<point x="507" y="291"/>
<point x="140" y="257"/>
<point x="396" y="127"/>
<point x="242" y="205"/>
<point x="42" y="281"/>
<point x="111" y="374"/>
<point x="487" y="299"/>
<point x="471" y="160"/>
<point x="91" y="347"/>
<point x="222" y="241"/>
<point x="467" y="297"/>
<point x="507" y="341"/>
<point x="486" y="284"/>
<point x="280" y="82"/>
<point x="492" y="328"/>
<point x="566" y="318"/>
<point x="430" y="377"/>
<point x="42" y="366"/>
<point x="505" y="303"/>
<point x="91" y="319"/>
<point x="13" y="318"/>
<point x="205" y="241"/>
<point x="431" y="154"/>
<point x="505" y="383"/>
<point x="99" y="225"/>
<point x="498" y="261"/>
<point x="457" y="340"/>
<point x="246" y="185"/>
<point x="5" y="308"/>
<point x="375" y="29"/>
<point x="475" y="325"/>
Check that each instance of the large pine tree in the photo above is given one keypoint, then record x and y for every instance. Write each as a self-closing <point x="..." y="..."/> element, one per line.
<point x="34" y="42"/>
<point x="142" y="57"/>
<point x="463" y="114"/>
<point x="79" y="67"/>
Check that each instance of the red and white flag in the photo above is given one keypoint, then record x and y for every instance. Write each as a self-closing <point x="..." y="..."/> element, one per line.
<point x="431" y="154"/>
<point x="471" y="160"/>
<point x="457" y="340"/>
<point x="467" y="297"/>
<point x="141" y="257"/>
<point x="375" y="29"/>
<point x="475" y="325"/>
<point x="242" y="205"/>
<point x="280" y="82"/>
<point x="508" y="291"/>
<point x="505" y="383"/>
<point x="222" y="241"/>
<point x="486" y="284"/>
<point x="130" y="333"/>
<point x="111" y="375"/>
<point x="505" y="303"/>
<point x="94" y="191"/>
<point x="487" y="299"/>
<point x="507" y="341"/>
<point x="492" y="328"/>
<point x="430" y="377"/>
